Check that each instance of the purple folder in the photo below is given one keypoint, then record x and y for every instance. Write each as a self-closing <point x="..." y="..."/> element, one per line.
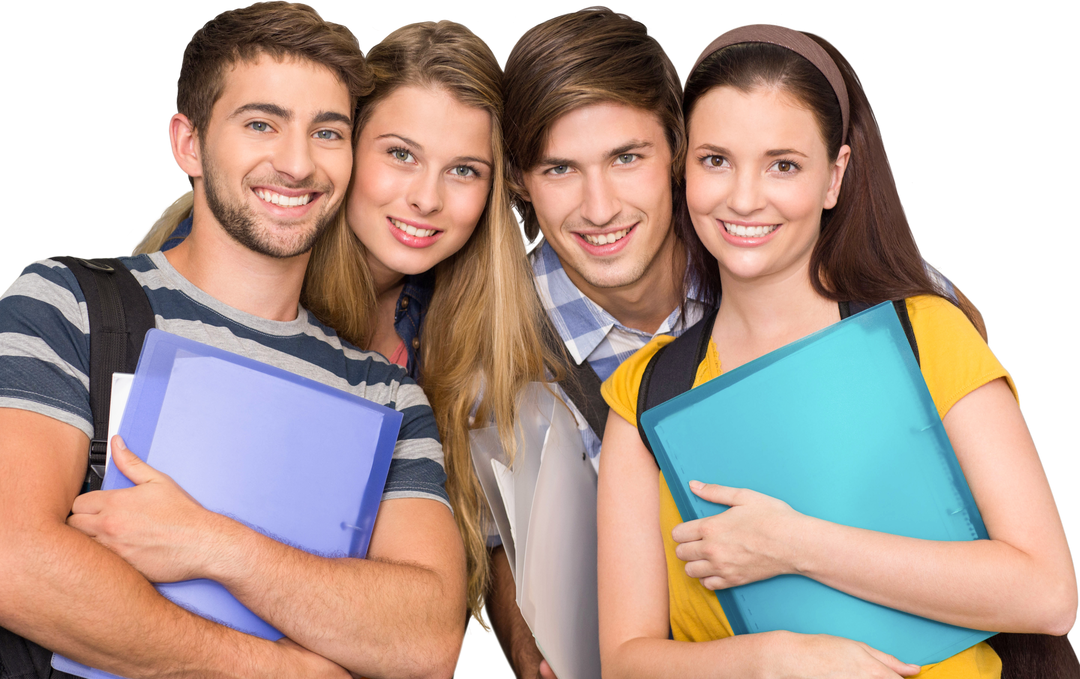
<point x="299" y="461"/>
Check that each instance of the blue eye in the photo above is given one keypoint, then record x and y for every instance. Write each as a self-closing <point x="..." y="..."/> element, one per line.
<point x="259" y="126"/>
<point x="626" y="158"/>
<point x="328" y="135"/>
<point x="559" y="169"/>
<point x="465" y="171"/>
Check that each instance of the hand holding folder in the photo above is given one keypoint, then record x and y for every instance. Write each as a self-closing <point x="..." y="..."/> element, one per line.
<point x="852" y="437"/>
<point x="292" y="458"/>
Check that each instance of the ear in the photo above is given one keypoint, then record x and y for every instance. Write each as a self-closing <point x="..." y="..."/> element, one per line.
<point x="185" y="145"/>
<point x="838" y="169"/>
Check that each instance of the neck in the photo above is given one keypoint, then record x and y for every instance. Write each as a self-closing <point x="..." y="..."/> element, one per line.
<point x="647" y="302"/>
<point x="757" y="316"/>
<point x="233" y="274"/>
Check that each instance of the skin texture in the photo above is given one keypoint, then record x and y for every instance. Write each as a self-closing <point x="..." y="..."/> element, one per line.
<point x="1020" y="580"/>
<point x="423" y="158"/>
<point x="410" y="589"/>
<point x="606" y="168"/>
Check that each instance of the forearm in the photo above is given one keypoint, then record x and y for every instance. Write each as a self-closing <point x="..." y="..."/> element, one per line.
<point x="380" y="616"/>
<point x="75" y="597"/>
<point x="741" y="657"/>
<point x="982" y="584"/>
<point x="513" y="633"/>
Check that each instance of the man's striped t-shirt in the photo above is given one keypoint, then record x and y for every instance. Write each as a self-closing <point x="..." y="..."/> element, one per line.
<point x="45" y="357"/>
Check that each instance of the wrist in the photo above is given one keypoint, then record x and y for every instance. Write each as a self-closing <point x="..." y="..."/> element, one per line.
<point x="226" y="553"/>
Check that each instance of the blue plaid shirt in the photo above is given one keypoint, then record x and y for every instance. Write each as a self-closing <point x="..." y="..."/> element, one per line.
<point x="591" y="333"/>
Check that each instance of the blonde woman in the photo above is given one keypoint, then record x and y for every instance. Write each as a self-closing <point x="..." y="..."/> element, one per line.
<point x="426" y="264"/>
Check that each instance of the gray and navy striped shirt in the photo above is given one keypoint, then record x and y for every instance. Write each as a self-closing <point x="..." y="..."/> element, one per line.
<point x="45" y="358"/>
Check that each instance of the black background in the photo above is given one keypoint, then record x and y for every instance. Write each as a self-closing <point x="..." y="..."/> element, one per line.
<point x="86" y="147"/>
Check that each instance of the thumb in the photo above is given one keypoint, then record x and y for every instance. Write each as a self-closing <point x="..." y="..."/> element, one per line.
<point x="131" y="464"/>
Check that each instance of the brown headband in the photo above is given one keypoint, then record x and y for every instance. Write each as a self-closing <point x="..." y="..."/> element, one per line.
<point x="795" y="41"/>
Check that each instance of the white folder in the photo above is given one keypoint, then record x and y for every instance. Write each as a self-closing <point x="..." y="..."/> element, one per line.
<point x="544" y="506"/>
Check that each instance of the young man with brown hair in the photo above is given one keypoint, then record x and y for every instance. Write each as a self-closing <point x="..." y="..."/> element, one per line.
<point x="594" y="133"/>
<point x="266" y="97"/>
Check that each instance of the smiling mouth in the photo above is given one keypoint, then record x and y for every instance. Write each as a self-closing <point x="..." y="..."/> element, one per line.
<point x="412" y="230"/>
<point x="283" y="201"/>
<point x="605" y="238"/>
<point x="749" y="231"/>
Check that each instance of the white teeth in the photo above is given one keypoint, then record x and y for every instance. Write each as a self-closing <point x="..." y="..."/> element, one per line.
<point x="285" y="201"/>
<point x="412" y="230"/>
<point x="748" y="231"/>
<point x="604" y="238"/>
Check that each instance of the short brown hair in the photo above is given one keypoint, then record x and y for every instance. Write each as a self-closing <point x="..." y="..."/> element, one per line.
<point x="588" y="57"/>
<point x="278" y="29"/>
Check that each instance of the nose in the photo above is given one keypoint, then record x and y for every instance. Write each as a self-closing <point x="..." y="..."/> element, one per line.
<point x="600" y="203"/>
<point x="294" y="156"/>
<point x="425" y="192"/>
<point x="746" y="195"/>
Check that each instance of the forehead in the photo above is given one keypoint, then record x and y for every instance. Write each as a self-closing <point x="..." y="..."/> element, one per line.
<point x="299" y="85"/>
<point x="762" y="117"/>
<point x="434" y="118"/>
<point x="602" y="127"/>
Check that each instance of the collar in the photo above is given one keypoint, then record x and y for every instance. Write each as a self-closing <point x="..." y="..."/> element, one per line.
<point x="582" y="324"/>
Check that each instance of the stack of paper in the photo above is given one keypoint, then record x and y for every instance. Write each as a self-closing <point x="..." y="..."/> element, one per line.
<point x="297" y="460"/>
<point x="840" y="425"/>
<point x="544" y="506"/>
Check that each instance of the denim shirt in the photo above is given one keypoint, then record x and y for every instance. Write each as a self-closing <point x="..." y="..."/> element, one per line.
<point x="412" y="304"/>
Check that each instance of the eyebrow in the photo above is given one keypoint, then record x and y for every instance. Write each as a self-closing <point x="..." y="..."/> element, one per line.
<point x="771" y="153"/>
<point x="632" y="145"/>
<point x="287" y="115"/>
<point x="420" y="147"/>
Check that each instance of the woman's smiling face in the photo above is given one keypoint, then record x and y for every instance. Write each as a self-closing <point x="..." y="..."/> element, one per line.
<point x="758" y="176"/>
<point x="421" y="177"/>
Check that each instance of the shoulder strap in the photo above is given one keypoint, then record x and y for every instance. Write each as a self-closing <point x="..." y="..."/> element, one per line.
<point x="677" y="362"/>
<point x="900" y="306"/>
<point x="582" y="385"/>
<point x="119" y="315"/>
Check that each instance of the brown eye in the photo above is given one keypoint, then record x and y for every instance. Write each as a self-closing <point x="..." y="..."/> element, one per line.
<point x="784" y="166"/>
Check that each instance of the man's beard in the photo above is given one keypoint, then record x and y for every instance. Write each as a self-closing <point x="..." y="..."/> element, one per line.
<point x="239" y="221"/>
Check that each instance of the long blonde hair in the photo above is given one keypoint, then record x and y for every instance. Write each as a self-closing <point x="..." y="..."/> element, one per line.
<point x="482" y="337"/>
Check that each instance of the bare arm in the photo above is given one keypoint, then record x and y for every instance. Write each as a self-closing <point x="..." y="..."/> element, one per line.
<point x="71" y="595"/>
<point x="634" y="629"/>
<point x="513" y="633"/>
<point x="1021" y="580"/>
<point x="398" y="613"/>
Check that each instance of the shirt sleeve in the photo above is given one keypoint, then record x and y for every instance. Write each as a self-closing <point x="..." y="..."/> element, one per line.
<point x="953" y="356"/>
<point x="45" y="346"/>
<point x="416" y="470"/>
<point x="621" y="389"/>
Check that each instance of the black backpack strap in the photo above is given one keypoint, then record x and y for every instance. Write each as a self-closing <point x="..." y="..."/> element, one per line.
<point x="119" y="315"/>
<point x="900" y="306"/>
<point x="678" y="363"/>
<point x="582" y="385"/>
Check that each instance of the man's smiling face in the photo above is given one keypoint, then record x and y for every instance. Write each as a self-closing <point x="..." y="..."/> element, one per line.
<point x="276" y="154"/>
<point x="602" y="194"/>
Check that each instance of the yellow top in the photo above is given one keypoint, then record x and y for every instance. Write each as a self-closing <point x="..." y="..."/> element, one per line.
<point x="954" y="360"/>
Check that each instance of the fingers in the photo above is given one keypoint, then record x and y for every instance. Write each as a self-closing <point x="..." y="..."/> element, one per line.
<point x="545" y="670"/>
<point x="902" y="668"/>
<point x="131" y="465"/>
<point x="721" y="495"/>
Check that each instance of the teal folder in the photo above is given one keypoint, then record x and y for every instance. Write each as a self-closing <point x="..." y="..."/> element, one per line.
<point x="841" y="426"/>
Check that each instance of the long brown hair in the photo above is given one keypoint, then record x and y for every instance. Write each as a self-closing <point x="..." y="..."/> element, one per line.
<point x="866" y="251"/>
<point x="481" y="340"/>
